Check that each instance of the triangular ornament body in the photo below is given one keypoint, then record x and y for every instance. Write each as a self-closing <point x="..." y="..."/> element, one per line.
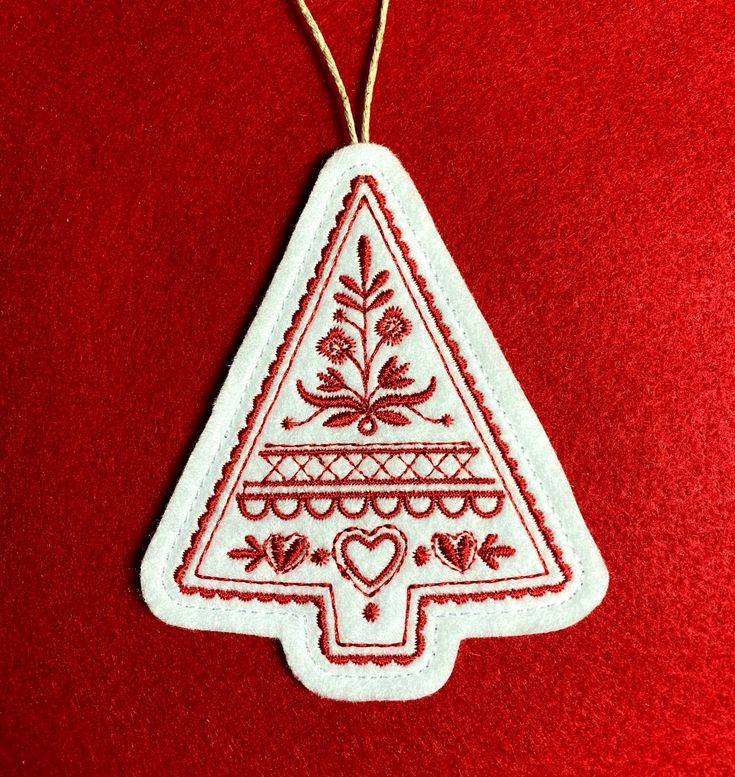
<point x="372" y="486"/>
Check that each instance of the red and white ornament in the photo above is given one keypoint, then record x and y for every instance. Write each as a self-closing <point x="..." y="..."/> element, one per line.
<point x="373" y="448"/>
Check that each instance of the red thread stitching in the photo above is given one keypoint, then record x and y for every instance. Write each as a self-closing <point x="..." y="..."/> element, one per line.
<point x="421" y="556"/>
<point x="347" y="462"/>
<point x="424" y="600"/>
<point x="370" y="612"/>
<point x="354" y="504"/>
<point x="456" y="551"/>
<point x="370" y="540"/>
<point x="367" y="403"/>
<point x="282" y="553"/>
<point x="489" y="552"/>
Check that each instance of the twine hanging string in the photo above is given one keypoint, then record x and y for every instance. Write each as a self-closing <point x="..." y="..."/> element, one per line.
<point x="339" y="83"/>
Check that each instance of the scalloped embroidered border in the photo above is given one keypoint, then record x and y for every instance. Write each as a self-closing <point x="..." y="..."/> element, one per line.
<point x="401" y="500"/>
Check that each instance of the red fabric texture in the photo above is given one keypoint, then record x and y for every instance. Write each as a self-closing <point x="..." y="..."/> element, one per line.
<point x="577" y="159"/>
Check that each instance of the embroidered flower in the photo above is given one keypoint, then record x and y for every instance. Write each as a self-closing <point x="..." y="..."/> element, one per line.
<point x="339" y="315"/>
<point x="336" y="345"/>
<point x="393" y="326"/>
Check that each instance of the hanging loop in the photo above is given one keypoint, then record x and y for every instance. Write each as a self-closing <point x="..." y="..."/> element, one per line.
<point x="338" y="82"/>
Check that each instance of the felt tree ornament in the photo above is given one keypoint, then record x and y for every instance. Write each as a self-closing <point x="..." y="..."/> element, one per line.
<point x="372" y="486"/>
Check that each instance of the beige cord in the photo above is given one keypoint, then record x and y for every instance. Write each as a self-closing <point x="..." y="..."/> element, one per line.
<point x="373" y="71"/>
<point x="332" y="67"/>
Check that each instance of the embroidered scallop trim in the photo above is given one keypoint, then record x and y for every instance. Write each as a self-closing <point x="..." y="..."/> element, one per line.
<point x="355" y="504"/>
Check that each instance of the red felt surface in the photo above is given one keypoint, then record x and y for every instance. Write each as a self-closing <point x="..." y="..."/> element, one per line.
<point x="578" y="160"/>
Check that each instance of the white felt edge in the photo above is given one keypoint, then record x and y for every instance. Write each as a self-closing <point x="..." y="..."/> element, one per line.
<point x="294" y="625"/>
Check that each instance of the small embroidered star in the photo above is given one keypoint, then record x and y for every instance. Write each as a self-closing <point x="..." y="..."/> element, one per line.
<point x="421" y="556"/>
<point x="320" y="557"/>
<point x="371" y="612"/>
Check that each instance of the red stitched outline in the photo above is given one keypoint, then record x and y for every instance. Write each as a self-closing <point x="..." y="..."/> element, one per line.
<point x="271" y="448"/>
<point x="461" y="363"/>
<point x="370" y="539"/>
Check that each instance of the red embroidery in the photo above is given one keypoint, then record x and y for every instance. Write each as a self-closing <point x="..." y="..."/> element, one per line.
<point x="344" y="462"/>
<point x="320" y="557"/>
<point x="457" y="551"/>
<point x="256" y="502"/>
<point x="367" y="402"/>
<point x="254" y="553"/>
<point x="370" y="612"/>
<point x="490" y="552"/>
<point x="354" y="570"/>
<point x="285" y="553"/>
<point x="322" y="601"/>
<point x="282" y="553"/>
<point x="421" y="556"/>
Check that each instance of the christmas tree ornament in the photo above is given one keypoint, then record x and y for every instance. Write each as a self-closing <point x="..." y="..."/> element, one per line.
<point x="372" y="486"/>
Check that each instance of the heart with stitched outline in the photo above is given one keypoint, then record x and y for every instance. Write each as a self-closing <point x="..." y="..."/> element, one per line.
<point x="457" y="551"/>
<point x="285" y="553"/>
<point x="370" y="559"/>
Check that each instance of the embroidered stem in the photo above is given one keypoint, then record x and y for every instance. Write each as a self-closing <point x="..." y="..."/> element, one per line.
<point x="333" y="70"/>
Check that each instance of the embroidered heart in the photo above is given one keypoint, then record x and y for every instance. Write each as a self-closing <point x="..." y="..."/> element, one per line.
<point x="285" y="553"/>
<point x="456" y="551"/>
<point x="370" y="559"/>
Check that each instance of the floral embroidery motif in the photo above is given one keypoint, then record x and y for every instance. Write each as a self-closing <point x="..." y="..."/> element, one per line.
<point x="375" y="398"/>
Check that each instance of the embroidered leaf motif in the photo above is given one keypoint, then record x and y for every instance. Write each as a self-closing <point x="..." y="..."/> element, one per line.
<point x="350" y="284"/>
<point x="406" y="400"/>
<point x="254" y="552"/>
<point x="331" y="380"/>
<point x="372" y="398"/>
<point x="393" y="375"/>
<point x="489" y="552"/>
<point x="381" y="299"/>
<point x="325" y="402"/>
<point x="347" y="301"/>
<point x="343" y="419"/>
<point x="378" y="281"/>
<point x="392" y="417"/>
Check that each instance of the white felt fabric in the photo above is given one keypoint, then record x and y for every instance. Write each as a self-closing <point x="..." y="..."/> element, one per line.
<point x="215" y="591"/>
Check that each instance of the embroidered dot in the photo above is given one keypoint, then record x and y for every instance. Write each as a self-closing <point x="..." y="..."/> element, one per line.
<point x="320" y="557"/>
<point x="371" y="612"/>
<point x="421" y="556"/>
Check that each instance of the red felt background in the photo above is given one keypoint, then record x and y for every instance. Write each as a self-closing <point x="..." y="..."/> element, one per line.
<point x="578" y="161"/>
